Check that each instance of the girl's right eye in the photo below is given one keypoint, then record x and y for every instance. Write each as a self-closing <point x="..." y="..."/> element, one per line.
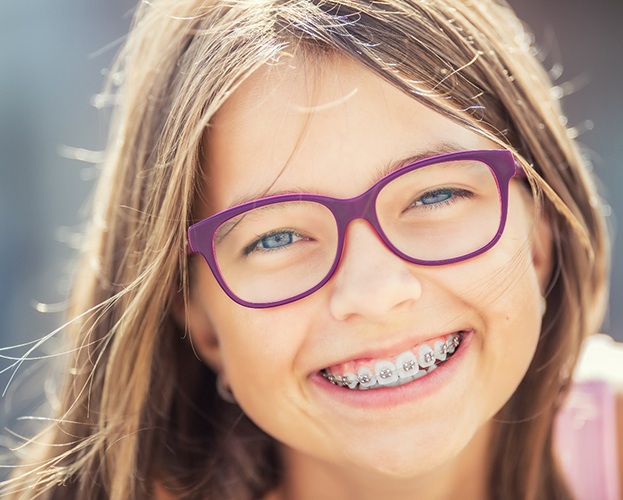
<point x="274" y="240"/>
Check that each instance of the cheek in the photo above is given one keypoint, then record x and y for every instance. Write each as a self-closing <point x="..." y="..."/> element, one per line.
<point x="502" y="287"/>
<point x="261" y="354"/>
<point x="258" y="348"/>
<point x="511" y="293"/>
<point x="513" y="327"/>
<point x="505" y="278"/>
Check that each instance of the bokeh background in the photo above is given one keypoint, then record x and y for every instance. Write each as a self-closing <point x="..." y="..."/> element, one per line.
<point x="53" y="60"/>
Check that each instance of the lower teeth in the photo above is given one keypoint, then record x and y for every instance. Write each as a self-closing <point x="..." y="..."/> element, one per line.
<point x="361" y="383"/>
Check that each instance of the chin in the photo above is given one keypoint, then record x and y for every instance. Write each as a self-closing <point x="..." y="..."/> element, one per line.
<point x="408" y="458"/>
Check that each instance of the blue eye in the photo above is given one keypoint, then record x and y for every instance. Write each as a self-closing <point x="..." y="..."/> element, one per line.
<point x="435" y="197"/>
<point x="276" y="240"/>
<point x="442" y="196"/>
<point x="273" y="241"/>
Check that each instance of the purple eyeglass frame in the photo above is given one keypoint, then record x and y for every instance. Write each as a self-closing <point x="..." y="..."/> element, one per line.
<point x="501" y="162"/>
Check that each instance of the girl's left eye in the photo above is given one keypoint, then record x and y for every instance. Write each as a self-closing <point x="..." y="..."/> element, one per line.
<point x="273" y="241"/>
<point x="441" y="196"/>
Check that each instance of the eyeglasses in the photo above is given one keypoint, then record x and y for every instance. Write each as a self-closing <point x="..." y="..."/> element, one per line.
<point x="436" y="211"/>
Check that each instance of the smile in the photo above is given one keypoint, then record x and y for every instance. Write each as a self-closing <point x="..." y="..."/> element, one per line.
<point x="407" y="366"/>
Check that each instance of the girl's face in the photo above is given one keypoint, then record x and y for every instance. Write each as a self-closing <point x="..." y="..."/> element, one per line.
<point x="330" y="128"/>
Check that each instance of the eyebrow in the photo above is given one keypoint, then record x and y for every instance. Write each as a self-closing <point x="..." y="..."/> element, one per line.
<point x="437" y="150"/>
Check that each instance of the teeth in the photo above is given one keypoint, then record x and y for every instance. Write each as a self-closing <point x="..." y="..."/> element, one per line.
<point x="350" y="380"/>
<point x="406" y="365"/>
<point x="451" y="343"/>
<point x="426" y="356"/>
<point x="366" y="378"/>
<point x="385" y="372"/>
<point x="440" y="350"/>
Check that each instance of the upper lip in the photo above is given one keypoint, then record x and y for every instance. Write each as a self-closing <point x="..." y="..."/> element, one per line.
<point x="390" y="351"/>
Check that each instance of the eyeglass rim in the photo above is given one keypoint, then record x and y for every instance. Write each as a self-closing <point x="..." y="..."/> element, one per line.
<point x="502" y="162"/>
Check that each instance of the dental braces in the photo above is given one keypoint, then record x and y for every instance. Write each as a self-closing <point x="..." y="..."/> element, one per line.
<point x="387" y="373"/>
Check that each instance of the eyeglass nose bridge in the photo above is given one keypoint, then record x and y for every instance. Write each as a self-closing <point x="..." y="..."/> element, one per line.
<point x="346" y="211"/>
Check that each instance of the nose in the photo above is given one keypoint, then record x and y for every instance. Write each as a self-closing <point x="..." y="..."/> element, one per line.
<point x="371" y="281"/>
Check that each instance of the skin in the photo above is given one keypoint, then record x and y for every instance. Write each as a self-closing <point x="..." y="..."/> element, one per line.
<point x="328" y="128"/>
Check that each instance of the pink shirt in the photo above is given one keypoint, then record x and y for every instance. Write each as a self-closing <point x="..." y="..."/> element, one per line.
<point x="586" y="429"/>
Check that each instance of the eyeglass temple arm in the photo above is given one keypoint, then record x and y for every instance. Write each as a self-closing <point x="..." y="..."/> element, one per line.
<point x="189" y="247"/>
<point x="519" y="171"/>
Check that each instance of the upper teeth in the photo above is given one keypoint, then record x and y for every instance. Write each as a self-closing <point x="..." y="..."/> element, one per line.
<point x="385" y="372"/>
<point x="406" y="367"/>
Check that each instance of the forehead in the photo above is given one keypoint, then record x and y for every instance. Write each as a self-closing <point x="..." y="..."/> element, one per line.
<point x="327" y="126"/>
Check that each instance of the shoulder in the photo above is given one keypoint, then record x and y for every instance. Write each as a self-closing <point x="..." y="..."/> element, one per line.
<point x="600" y="369"/>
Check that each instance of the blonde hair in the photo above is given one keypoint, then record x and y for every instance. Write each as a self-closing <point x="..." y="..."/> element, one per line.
<point x="138" y="406"/>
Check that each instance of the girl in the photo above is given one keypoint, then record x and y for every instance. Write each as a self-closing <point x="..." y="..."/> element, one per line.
<point x="340" y="249"/>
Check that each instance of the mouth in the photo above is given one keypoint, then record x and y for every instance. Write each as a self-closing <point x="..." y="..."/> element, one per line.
<point x="406" y="367"/>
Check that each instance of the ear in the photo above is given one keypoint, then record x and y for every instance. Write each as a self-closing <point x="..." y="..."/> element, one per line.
<point x="542" y="248"/>
<point x="192" y="316"/>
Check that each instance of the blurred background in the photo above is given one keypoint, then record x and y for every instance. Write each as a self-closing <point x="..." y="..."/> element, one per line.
<point x="53" y="60"/>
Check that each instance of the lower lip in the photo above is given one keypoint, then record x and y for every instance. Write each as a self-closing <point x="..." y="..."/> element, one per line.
<point x="392" y="396"/>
